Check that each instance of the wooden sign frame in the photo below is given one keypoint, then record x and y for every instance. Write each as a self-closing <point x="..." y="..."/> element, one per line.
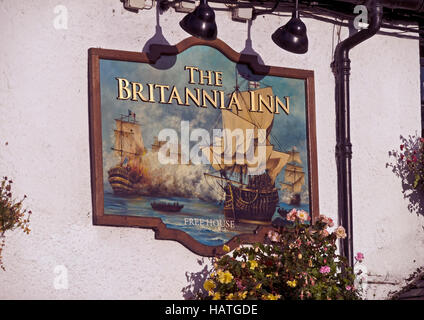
<point x="156" y="224"/>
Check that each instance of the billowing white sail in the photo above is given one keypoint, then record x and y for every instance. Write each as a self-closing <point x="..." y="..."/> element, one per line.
<point x="245" y="140"/>
<point x="294" y="178"/>
<point x="129" y="144"/>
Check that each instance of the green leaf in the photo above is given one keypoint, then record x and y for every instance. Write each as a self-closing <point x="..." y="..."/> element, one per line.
<point x="417" y="180"/>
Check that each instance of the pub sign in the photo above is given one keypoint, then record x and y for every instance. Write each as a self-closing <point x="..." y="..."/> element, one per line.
<point x="200" y="143"/>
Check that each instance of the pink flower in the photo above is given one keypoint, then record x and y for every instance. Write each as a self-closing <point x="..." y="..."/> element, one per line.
<point x="414" y="159"/>
<point x="401" y="147"/>
<point x="348" y="288"/>
<point x="303" y="215"/>
<point x="324" y="269"/>
<point x="291" y="216"/>
<point x="240" y="285"/>
<point x="324" y="233"/>
<point x="359" y="256"/>
<point x="273" y="236"/>
<point x="328" y="221"/>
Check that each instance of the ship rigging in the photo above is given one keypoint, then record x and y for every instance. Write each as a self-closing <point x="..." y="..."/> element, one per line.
<point x="253" y="197"/>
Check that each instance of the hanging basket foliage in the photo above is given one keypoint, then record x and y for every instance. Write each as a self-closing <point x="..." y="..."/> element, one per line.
<point x="12" y="214"/>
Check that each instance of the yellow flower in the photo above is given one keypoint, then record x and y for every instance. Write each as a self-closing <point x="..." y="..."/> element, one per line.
<point x="230" y="296"/>
<point x="216" y="296"/>
<point x="270" y="297"/>
<point x="242" y="295"/>
<point x="253" y="264"/>
<point x="258" y="286"/>
<point x="340" y="232"/>
<point x="225" y="277"/>
<point x="292" y="283"/>
<point x="299" y="256"/>
<point x="226" y="248"/>
<point x="209" y="285"/>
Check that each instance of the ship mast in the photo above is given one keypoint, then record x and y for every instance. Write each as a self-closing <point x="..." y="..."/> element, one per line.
<point x="243" y="118"/>
<point x="295" y="176"/>
<point x="128" y="138"/>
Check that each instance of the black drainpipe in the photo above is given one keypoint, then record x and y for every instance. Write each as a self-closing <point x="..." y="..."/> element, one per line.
<point x="341" y="69"/>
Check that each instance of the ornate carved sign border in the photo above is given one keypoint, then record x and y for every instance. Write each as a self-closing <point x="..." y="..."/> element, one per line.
<point x="133" y="96"/>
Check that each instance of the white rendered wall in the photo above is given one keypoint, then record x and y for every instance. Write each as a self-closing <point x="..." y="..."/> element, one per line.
<point x="44" y="119"/>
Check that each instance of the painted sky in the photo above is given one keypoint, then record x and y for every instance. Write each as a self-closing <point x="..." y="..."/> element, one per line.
<point x="288" y="130"/>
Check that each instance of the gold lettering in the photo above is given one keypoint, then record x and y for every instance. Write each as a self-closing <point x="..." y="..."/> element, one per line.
<point x="218" y="78"/>
<point x="202" y="77"/>
<point x="285" y="107"/>
<point x="253" y="106"/>
<point x="222" y="99"/>
<point x="122" y="88"/>
<point x="234" y="100"/>
<point x="189" y="94"/>
<point x="191" y="75"/>
<point x="137" y="88"/>
<point x="269" y="105"/>
<point x="206" y="96"/>
<point x="151" y="94"/>
<point x="175" y="95"/>
<point x="162" y="91"/>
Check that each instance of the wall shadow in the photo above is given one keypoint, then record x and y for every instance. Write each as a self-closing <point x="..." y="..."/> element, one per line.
<point x="164" y="62"/>
<point x="242" y="69"/>
<point x="400" y="168"/>
<point x="195" y="281"/>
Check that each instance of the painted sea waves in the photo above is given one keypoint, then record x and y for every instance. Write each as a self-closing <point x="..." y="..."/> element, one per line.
<point x="213" y="233"/>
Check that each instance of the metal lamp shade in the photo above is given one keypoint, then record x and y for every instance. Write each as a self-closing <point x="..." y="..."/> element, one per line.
<point x="201" y="22"/>
<point x="292" y="36"/>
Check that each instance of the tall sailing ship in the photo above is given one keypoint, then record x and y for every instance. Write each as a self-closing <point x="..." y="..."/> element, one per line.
<point x="294" y="178"/>
<point x="253" y="197"/>
<point x="129" y="147"/>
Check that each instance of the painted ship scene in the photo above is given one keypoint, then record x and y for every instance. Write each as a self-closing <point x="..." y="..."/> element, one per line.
<point x="200" y="198"/>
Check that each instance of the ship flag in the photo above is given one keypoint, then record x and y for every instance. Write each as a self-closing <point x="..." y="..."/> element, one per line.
<point x="254" y="85"/>
<point x="131" y="114"/>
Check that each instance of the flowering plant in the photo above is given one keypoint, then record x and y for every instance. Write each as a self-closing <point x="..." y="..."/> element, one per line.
<point x="297" y="261"/>
<point x="412" y="156"/>
<point x="12" y="215"/>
